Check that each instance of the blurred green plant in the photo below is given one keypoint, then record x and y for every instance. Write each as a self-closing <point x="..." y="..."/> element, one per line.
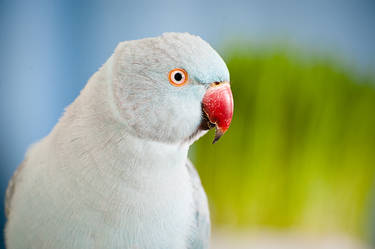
<point x="300" y="152"/>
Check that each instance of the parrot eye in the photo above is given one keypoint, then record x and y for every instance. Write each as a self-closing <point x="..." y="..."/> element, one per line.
<point x="178" y="77"/>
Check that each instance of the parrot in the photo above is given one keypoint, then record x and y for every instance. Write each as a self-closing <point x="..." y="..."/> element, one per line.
<point x="114" y="172"/>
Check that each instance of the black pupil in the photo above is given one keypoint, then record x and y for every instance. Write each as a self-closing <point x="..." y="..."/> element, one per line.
<point x="178" y="76"/>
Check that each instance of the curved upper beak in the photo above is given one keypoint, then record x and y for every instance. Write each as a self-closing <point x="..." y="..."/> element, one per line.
<point x="217" y="105"/>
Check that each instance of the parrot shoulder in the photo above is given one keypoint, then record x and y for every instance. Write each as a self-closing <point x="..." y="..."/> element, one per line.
<point x="201" y="233"/>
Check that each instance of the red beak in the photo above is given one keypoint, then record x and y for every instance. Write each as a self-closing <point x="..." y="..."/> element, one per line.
<point x="218" y="106"/>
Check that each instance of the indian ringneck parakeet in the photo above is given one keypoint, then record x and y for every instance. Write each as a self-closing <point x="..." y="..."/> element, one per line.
<point x="114" y="173"/>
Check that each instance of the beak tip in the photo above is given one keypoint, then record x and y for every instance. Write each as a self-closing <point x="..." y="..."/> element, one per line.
<point x="218" y="135"/>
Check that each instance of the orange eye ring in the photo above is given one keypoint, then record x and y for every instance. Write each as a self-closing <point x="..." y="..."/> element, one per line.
<point x="178" y="77"/>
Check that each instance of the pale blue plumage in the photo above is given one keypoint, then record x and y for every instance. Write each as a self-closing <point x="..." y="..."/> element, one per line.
<point x="200" y="236"/>
<point x="197" y="57"/>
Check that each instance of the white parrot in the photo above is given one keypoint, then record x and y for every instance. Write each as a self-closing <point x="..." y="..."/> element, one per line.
<point x="114" y="173"/>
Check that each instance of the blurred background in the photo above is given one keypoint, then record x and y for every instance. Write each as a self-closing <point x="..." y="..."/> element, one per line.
<point x="296" y="169"/>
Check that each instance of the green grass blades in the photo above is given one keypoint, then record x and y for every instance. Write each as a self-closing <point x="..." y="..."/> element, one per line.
<point x="300" y="152"/>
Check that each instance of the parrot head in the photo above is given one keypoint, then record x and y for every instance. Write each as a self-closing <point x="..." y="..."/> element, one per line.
<point x="171" y="88"/>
